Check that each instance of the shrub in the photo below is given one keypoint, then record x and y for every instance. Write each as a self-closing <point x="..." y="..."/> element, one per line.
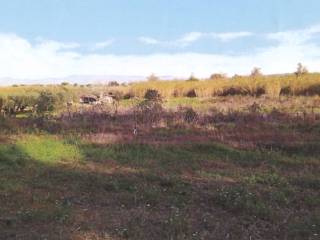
<point x="14" y="104"/>
<point x="113" y="84"/>
<point x="2" y="104"/>
<point x="285" y="91"/>
<point x="116" y="95"/>
<point x="191" y="93"/>
<point x="152" y="95"/>
<point x="311" y="90"/>
<point x="149" y="112"/>
<point x="128" y="95"/>
<point x="46" y="102"/>
<point x="254" y="108"/>
<point x="216" y="76"/>
<point x="231" y="92"/>
<point x="190" y="116"/>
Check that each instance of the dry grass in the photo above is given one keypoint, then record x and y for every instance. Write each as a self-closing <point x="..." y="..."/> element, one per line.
<point x="272" y="85"/>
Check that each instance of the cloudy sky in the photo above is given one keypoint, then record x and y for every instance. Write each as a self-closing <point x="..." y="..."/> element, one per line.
<point x="46" y="39"/>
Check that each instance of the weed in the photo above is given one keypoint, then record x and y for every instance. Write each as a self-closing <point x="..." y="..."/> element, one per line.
<point x="309" y="182"/>
<point x="59" y="213"/>
<point x="240" y="199"/>
<point x="304" y="228"/>
<point x="270" y="179"/>
<point x="11" y="155"/>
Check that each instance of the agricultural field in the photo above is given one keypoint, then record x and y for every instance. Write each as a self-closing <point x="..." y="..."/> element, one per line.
<point x="227" y="158"/>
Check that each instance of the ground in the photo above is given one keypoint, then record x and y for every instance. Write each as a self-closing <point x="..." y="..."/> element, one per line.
<point x="246" y="175"/>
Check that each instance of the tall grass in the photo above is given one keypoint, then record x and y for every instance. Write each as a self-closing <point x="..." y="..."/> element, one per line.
<point x="271" y="85"/>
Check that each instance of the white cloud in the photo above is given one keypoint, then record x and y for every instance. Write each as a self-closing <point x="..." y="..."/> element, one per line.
<point x="192" y="37"/>
<point x="148" y="40"/>
<point x="54" y="45"/>
<point x="102" y="45"/>
<point x="295" y="37"/>
<point x="229" y="36"/>
<point x="49" y="59"/>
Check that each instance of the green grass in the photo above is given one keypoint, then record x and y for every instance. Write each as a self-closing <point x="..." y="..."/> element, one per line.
<point x="241" y="199"/>
<point x="48" y="149"/>
<point x="189" y="156"/>
<point x="166" y="188"/>
<point x="141" y="155"/>
<point x="129" y="103"/>
<point x="270" y="179"/>
<point x="184" y="101"/>
<point x="11" y="155"/>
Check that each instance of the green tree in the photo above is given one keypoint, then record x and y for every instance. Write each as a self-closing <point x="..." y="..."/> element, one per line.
<point x="46" y="102"/>
<point x="301" y="70"/>
<point x="256" y="72"/>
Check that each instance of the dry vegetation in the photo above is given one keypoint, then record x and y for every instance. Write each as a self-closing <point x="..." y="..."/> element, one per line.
<point x="213" y="159"/>
<point x="304" y="84"/>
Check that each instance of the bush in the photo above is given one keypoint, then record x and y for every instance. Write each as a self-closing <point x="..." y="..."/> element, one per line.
<point x="113" y="84"/>
<point x="190" y="116"/>
<point x="232" y="91"/>
<point x="116" y="95"/>
<point x="46" y="102"/>
<point x="149" y="112"/>
<point x="191" y="93"/>
<point x="14" y="104"/>
<point x="128" y="95"/>
<point x="152" y="95"/>
<point x="312" y="90"/>
<point x="254" y="108"/>
<point x="217" y="76"/>
<point x="2" y="104"/>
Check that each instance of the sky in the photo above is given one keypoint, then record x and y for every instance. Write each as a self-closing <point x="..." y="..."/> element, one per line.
<point x="44" y="40"/>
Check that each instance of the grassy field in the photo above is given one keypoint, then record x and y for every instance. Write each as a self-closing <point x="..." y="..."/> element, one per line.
<point x="224" y="167"/>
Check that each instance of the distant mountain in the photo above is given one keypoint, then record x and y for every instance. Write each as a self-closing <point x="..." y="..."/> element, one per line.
<point x="80" y="79"/>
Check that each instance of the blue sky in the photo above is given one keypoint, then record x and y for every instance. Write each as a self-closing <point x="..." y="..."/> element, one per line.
<point x="58" y="38"/>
